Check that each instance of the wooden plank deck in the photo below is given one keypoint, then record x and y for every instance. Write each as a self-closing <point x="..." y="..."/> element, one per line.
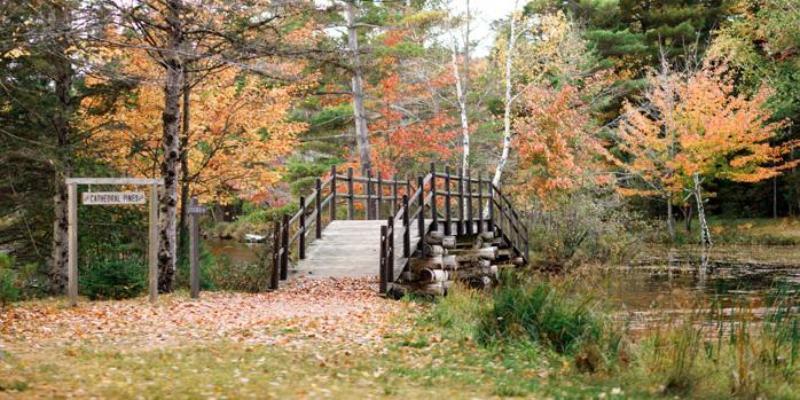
<point x="351" y="249"/>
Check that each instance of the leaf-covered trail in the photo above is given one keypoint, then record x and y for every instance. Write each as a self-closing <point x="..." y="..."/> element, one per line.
<point x="300" y="341"/>
<point x="329" y="310"/>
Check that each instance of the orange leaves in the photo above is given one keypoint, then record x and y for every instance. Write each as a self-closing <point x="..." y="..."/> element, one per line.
<point x="329" y="310"/>
<point x="556" y="153"/>
<point x="697" y="123"/>
<point x="239" y="131"/>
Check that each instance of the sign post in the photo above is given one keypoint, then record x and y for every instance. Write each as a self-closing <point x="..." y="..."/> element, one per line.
<point x="111" y="198"/>
<point x="194" y="211"/>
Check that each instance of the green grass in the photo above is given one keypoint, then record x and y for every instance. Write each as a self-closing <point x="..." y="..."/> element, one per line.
<point x="437" y="354"/>
<point x="757" y="231"/>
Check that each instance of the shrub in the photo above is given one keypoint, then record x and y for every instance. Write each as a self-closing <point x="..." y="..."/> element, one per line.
<point x="9" y="292"/>
<point x="542" y="313"/>
<point x="246" y="277"/>
<point x="114" y="279"/>
<point x="207" y="264"/>
<point x="586" y="227"/>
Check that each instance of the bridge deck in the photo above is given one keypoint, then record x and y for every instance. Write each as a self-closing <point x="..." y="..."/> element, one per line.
<point x="351" y="249"/>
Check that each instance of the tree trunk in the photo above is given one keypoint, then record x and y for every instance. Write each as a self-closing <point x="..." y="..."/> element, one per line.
<point x="687" y="217"/>
<point x="670" y="220"/>
<point x="462" y="105"/>
<point x="501" y="164"/>
<point x="64" y="75"/>
<point x="362" y="132"/>
<point x="171" y="146"/>
<point x="185" y="193"/>
<point x="775" y="197"/>
<point x="705" y="233"/>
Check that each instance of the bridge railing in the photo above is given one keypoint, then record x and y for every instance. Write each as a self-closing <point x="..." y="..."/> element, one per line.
<point x="337" y="196"/>
<point x="463" y="205"/>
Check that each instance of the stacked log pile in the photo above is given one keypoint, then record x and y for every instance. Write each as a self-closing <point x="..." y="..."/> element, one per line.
<point x="475" y="260"/>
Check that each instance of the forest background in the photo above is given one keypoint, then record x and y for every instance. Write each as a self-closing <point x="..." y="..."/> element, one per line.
<point x="608" y="120"/>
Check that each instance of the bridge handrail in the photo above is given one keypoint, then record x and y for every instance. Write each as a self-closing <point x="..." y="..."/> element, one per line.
<point x="417" y="200"/>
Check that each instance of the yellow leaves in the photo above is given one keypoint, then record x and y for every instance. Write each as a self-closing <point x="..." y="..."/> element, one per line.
<point x="238" y="132"/>
<point x="698" y="124"/>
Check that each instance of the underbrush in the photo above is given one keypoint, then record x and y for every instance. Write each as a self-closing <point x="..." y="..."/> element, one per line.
<point x="113" y="279"/>
<point x="750" y="231"/>
<point x="709" y="352"/>
<point x="587" y="228"/>
<point x="254" y="220"/>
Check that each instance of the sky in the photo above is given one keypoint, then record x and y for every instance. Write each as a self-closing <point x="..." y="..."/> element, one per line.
<point x="484" y="12"/>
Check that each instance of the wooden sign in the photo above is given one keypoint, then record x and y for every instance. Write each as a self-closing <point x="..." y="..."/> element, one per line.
<point x="196" y="210"/>
<point x="108" y="198"/>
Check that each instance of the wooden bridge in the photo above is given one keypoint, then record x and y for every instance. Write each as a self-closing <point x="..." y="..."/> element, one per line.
<point x="413" y="235"/>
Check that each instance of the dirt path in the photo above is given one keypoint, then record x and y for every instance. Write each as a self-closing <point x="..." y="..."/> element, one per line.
<point x="328" y="310"/>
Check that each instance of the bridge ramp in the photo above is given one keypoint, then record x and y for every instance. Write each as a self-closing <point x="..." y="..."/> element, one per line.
<point x="351" y="249"/>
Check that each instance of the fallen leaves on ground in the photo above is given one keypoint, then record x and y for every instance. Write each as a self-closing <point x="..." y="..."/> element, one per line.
<point x="304" y="311"/>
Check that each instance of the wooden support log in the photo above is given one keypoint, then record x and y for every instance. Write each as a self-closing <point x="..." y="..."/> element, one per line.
<point x="418" y="264"/>
<point x="491" y="271"/>
<point x="450" y="262"/>
<point x="433" y="275"/>
<point x="429" y="250"/>
<point x="379" y="201"/>
<point x="434" y="237"/>
<point x="436" y="289"/>
<point x="488" y="253"/>
<point x="449" y="242"/>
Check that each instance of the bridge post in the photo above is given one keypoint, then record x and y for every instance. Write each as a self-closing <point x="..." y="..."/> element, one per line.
<point x="368" y="191"/>
<point x="469" y="203"/>
<point x="380" y="197"/>
<point x="394" y="194"/>
<point x="448" y="219"/>
<point x="350" y="194"/>
<point x="318" y="206"/>
<point x="433" y="198"/>
<point x="490" y="225"/>
<point x="390" y="250"/>
<point x="382" y="264"/>
<point x="421" y="203"/>
<point x="301" y="243"/>
<point x="460" y="203"/>
<point x="480" y="202"/>
<point x="407" y="230"/>
<point x="285" y="248"/>
<point x="276" y="261"/>
<point x="333" y="193"/>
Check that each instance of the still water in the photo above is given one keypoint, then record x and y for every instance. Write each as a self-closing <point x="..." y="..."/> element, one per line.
<point x="738" y="280"/>
<point x="236" y="252"/>
<point x="665" y="281"/>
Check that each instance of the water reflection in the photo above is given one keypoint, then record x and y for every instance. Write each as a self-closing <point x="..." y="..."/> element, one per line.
<point x="672" y="281"/>
<point x="236" y="252"/>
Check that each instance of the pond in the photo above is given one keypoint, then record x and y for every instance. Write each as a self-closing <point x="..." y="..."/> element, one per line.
<point x="665" y="283"/>
<point x="739" y="280"/>
<point x="236" y="252"/>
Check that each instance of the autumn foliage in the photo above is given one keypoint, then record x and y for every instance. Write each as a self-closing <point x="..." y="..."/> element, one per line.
<point x="238" y="135"/>
<point x="557" y="150"/>
<point x="698" y="124"/>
